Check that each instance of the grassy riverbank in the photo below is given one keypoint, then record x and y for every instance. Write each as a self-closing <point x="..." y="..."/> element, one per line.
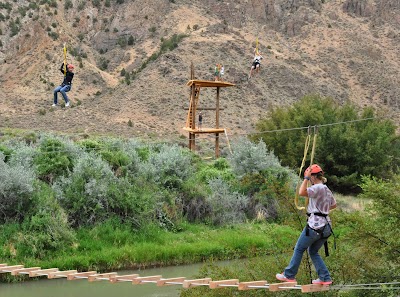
<point x="110" y="247"/>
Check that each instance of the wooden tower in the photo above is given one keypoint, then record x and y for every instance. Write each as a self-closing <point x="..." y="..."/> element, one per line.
<point x="195" y="87"/>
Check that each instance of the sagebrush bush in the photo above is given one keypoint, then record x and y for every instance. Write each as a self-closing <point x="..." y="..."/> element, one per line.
<point x="18" y="152"/>
<point x="16" y="188"/>
<point x="227" y="207"/>
<point x="249" y="157"/>
<point x="84" y="193"/>
<point x="169" y="166"/>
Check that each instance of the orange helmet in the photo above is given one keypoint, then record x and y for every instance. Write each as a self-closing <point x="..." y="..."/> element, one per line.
<point x="70" y="66"/>
<point x="315" y="168"/>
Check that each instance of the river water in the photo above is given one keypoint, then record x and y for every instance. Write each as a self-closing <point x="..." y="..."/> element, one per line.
<point x="83" y="288"/>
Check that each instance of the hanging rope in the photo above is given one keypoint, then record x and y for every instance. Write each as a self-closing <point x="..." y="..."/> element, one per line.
<point x="256" y="52"/>
<point x="227" y="140"/>
<point x="303" y="161"/>
<point x="65" y="60"/>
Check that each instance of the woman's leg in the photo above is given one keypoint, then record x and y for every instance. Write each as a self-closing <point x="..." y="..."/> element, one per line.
<point x="64" y="91"/>
<point x="319" y="264"/>
<point x="302" y="244"/>
<point x="56" y="90"/>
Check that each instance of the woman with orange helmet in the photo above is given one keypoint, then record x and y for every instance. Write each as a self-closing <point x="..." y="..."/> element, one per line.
<point x="66" y="84"/>
<point x="318" y="227"/>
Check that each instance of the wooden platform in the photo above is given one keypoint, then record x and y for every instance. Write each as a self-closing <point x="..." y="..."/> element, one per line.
<point x="209" y="83"/>
<point x="204" y="130"/>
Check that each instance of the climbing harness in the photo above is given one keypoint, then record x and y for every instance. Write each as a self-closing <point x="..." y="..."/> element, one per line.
<point x="321" y="231"/>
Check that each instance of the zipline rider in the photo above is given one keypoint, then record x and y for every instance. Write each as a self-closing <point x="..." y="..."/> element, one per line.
<point x="68" y="71"/>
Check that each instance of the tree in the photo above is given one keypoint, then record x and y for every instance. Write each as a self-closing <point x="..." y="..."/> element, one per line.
<point x="346" y="150"/>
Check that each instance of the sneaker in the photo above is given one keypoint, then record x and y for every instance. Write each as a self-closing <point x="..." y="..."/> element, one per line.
<point x="320" y="282"/>
<point x="67" y="104"/>
<point x="54" y="105"/>
<point x="281" y="277"/>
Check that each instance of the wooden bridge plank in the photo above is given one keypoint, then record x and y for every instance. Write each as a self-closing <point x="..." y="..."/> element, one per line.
<point x="100" y="276"/>
<point x="195" y="282"/>
<point x="168" y="281"/>
<point x="245" y="285"/>
<point x="22" y="270"/>
<point x="314" y="288"/>
<point x="80" y="275"/>
<point x="6" y="269"/>
<point x="281" y="286"/>
<point x="146" y="279"/>
<point x="42" y="272"/>
<point x="123" y="278"/>
<point x="59" y="274"/>
<point x="221" y="283"/>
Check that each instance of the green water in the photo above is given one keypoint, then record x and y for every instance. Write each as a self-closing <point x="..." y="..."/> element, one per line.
<point x="82" y="288"/>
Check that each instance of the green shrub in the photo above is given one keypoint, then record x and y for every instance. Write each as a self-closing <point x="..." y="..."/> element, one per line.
<point x="248" y="157"/>
<point x="53" y="159"/>
<point x="16" y="188"/>
<point x="68" y="4"/>
<point x="46" y="229"/>
<point x="7" y="152"/>
<point x="84" y="193"/>
<point x="90" y="145"/>
<point x="269" y="191"/>
<point x="227" y="207"/>
<point x="219" y="168"/>
<point x="116" y="159"/>
<point x="168" y="167"/>
<point x="384" y="212"/>
<point x="171" y="43"/>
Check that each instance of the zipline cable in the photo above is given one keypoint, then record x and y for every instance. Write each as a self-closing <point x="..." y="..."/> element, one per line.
<point x="262" y="132"/>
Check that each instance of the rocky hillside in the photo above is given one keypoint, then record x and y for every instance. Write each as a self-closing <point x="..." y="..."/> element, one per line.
<point x="133" y="60"/>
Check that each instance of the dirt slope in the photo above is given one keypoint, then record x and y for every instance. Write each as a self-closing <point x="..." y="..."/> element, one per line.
<point x="348" y="50"/>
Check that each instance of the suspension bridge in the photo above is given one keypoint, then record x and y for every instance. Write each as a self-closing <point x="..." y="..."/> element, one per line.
<point x="136" y="279"/>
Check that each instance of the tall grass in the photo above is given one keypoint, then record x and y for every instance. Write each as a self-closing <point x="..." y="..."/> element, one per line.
<point x="110" y="247"/>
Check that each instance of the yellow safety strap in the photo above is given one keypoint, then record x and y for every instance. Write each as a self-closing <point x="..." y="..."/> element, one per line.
<point x="306" y="146"/>
<point x="256" y="46"/>
<point x="65" y="60"/>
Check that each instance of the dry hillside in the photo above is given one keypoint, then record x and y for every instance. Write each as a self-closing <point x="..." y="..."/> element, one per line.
<point x="346" y="49"/>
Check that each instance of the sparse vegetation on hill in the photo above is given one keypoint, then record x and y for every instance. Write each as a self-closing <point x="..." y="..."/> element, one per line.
<point x="344" y="50"/>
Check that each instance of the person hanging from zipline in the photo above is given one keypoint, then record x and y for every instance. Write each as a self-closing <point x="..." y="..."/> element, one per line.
<point x="68" y="71"/>
<point x="318" y="227"/>
<point x="66" y="85"/>
<point x="255" y="66"/>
